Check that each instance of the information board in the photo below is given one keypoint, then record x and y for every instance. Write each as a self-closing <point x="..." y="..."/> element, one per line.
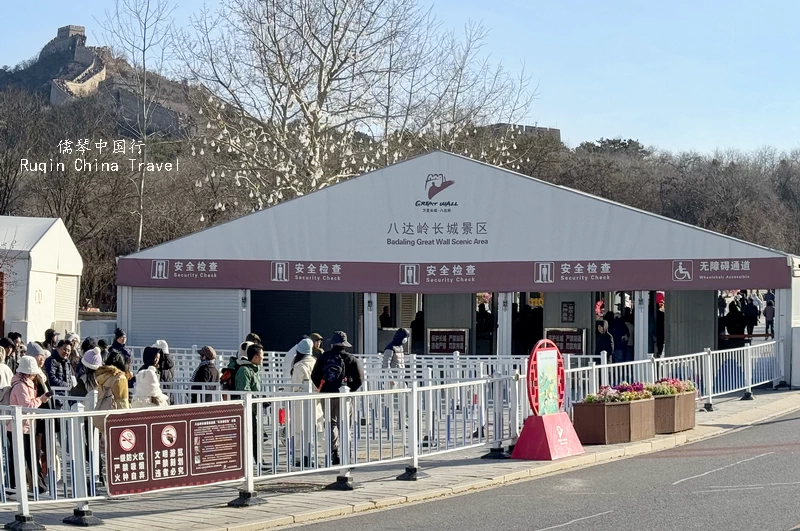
<point x="448" y="340"/>
<point x="155" y="450"/>
<point x="568" y="340"/>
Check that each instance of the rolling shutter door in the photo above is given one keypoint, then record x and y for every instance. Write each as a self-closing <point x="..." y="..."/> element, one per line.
<point x="66" y="299"/>
<point x="407" y="309"/>
<point x="384" y="299"/>
<point x="185" y="317"/>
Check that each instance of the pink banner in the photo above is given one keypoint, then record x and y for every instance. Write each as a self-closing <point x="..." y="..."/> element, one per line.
<point x="463" y="277"/>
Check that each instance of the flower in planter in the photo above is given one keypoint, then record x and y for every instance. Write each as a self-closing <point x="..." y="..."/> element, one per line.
<point x="623" y="392"/>
<point x="672" y="386"/>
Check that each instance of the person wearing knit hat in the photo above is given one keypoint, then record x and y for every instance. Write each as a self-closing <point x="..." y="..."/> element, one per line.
<point x="87" y="381"/>
<point x="24" y="392"/>
<point x="147" y="391"/>
<point x="207" y="373"/>
<point x="166" y="364"/>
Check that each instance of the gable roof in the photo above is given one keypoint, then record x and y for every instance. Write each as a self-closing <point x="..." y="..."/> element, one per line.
<point x="45" y="241"/>
<point x="389" y="215"/>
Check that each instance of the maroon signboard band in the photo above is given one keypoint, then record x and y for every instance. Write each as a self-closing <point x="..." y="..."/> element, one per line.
<point x="155" y="450"/>
<point x="457" y="277"/>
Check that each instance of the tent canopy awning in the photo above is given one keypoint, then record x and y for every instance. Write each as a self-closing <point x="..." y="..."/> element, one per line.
<point x="445" y="223"/>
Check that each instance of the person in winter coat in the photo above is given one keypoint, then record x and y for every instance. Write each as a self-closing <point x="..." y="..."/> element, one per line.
<point x="750" y="316"/>
<point x="51" y="338"/>
<point x="769" y="317"/>
<point x="87" y="381"/>
<point x="118" y="349"/>
<point x="76" y="352"/>
<point x="12" y="360"/>
<point x="166" y="364"/>
<point x="301" y="372"/>
<point x="393" y="354"/>
<point x="317" y="339"/>
<point x="603" y="340"/>
<point x="7" y="348"/>
<point x="112" y="388"/>
<point x="24" y="393"/>
<point x="619" y="331"/>
<point x="333" y="369"/>
<point x="247" y="377"/>
<point x="147" y="391"/>
<point x="247" y="380"/>
<point x="205" y="374"/>
<point x="103" y="349"/>
<point x="58" y="367"/>
<point x="87" y="345"/>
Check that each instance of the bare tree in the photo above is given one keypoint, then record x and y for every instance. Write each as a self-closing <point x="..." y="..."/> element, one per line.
<point x="20" y="133"/>
<point x="304" y="93"/>
<point x="142" y="30"/>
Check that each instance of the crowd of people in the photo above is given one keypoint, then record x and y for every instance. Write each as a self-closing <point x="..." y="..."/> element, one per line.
<point x="30" y="374"/>
<point x="744" y="313"/>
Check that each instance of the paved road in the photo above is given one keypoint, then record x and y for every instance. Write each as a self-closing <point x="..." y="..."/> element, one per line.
<point x="744" y="481"/>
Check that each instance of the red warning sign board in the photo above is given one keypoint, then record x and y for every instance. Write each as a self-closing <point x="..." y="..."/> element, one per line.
<point x="155" y="450"/>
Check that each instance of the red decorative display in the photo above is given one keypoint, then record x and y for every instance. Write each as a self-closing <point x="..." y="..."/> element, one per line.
<point x="546" y="437"/>
<point x="182" y="447"/>
<point x="533" y="375"/>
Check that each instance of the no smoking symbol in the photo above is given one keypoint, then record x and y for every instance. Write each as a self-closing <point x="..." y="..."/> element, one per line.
<point x="127" y="440"/>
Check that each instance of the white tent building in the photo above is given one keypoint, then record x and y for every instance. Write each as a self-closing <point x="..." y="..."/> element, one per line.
<point x="430" y="233"/>
<point x="42" y="272"/>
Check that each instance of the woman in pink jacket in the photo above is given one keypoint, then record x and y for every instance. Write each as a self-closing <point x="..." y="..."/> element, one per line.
<point x="23" y="393"/>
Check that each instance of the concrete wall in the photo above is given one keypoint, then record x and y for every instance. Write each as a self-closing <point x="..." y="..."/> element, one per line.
<point x="690" y="321"/>
<point x="584" y="313"/>
<point x="451" y="311"/>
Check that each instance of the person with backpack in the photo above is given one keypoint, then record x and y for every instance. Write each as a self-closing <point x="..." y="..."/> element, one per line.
<point x="333" y="369"/>
<point x="112" y="393"/>
<point x="227" y="379"/>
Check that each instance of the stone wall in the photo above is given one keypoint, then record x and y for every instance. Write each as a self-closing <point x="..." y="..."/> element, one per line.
<point x="59" y="92"/>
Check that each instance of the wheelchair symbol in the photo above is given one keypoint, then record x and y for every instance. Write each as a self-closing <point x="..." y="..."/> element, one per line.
<point x="682" y="270"/>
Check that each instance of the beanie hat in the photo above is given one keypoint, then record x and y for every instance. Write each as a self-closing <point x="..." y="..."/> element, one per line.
<point x="28" y="365"/>
<point x="92" y="359"/>
<point x="162" y="345"/>
<point x="73" y="337"/>
<point x="305" y="347"/>
<point x="118" y="333"/>
<point x="34" y="349"/>
<point x="243" y="349"/>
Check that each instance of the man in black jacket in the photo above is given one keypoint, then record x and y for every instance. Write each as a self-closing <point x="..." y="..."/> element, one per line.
<point x="205" y="374"/>
<point x="333" y="369"/>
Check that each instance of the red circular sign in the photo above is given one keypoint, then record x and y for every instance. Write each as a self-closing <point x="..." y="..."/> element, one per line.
<point x="544" y="346"/>
<point x="127" y="440"/>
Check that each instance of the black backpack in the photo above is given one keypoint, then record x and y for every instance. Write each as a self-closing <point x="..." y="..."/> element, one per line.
<point x="333" y="371"/>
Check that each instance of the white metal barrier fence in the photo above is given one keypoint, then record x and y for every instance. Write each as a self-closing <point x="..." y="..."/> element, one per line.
<point x="714" y="373"/>
<point x="57" y="456"/>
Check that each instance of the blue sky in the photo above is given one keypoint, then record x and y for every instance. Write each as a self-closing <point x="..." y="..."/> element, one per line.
<point x="679" y="75"/>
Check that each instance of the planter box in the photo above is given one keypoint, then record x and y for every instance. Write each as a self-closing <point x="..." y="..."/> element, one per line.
<point x="674" y="413"/>
<point x="614" y="422"/>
